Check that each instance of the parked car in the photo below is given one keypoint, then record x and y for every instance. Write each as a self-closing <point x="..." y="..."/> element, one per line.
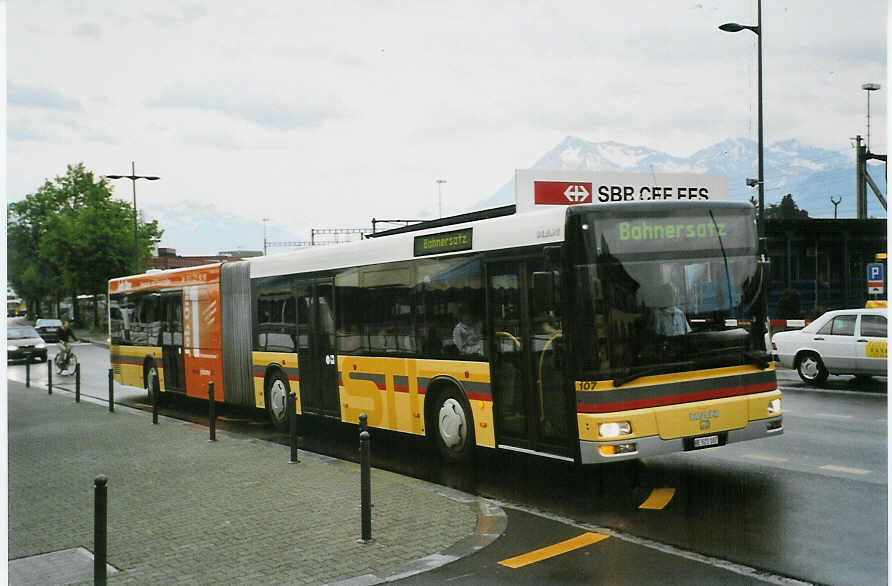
<point x="22" y="343"/>
<point x="49" y="329"/>
<point x="844" y="341"/>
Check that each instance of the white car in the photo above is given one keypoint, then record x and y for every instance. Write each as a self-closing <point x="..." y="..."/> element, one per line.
<point x="844" y="341"/>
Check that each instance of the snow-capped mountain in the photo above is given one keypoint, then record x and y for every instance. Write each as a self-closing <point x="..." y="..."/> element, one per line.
<point x="812" y="175"/>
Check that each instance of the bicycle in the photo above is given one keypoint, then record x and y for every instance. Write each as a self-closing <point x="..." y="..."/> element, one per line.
<point x="65" y="361"/>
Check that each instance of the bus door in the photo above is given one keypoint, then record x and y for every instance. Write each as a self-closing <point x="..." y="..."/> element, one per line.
<point x="316" y="358"/>
<point x="529" y="392"/>
<point x="171" y="313"/>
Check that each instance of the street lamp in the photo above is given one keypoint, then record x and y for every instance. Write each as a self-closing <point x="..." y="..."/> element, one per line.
<point x="440" y="183"/>
<point x="869" y="87"/>
<point x="265" y="220"/>
<point x="733" y="27"/>
<point x="133" y="177"/>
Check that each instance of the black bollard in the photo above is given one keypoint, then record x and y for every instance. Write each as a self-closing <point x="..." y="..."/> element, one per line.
<point x="291" y="405"/>
<point x="100" y="530"/>
<point x="363" y="422"/>
<point x="155" y="391"/>
<point x="77" y="382"/>
<point x="49" y="376"/>
<point x="212" y="413"/>
<point x="28" y="371"/>
<point x="111" y="390"/>
<point x="366" y="488"/>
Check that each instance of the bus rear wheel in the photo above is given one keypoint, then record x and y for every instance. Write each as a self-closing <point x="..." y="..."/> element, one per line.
<point x="453" y="429"/>
<point x="276" y="396"/>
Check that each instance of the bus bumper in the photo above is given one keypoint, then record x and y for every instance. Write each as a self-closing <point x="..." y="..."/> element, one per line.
<point x="643" y="447"/>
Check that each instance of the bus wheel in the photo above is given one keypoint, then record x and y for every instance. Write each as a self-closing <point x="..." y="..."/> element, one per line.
<point x="277" y="390"/>
<point x="811" y="369"/>
<point x="150" y="372"/>
<point x="453" y="426"/>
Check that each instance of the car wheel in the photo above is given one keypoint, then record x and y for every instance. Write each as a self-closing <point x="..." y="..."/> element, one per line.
<point x="453" y="429"/>
<point x="811" y="369"/>
<point x="276" y="399"/>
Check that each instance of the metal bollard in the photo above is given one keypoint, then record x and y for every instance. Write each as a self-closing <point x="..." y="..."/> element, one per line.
<point x="363" y="422"/>
<point x="49" y="376"/>
<point x="291" y="405"/>
<point x="111" y="390"/>
<point x="100" y="530"/>
<point x="155" y="391"/>
<point x="28" y="371"/>
<point x="77" y="382"/>
<point x="366" y="488"/>
<point x="212" y="413"/>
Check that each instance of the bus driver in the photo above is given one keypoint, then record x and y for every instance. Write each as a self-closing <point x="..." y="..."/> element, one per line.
<point x="466" y="334"/>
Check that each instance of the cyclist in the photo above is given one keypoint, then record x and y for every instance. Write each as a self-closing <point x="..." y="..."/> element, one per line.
<point x="65" y="336"/>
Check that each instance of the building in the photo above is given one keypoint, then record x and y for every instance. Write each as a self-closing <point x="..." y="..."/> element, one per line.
<point x="824" y="260"/>
<point x="167" y="258"/>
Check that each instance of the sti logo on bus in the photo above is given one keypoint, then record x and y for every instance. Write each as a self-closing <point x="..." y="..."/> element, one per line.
<point x="562" y="192"/>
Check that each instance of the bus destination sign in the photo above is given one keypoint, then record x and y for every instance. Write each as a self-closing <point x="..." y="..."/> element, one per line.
<point x="454" y="241"/>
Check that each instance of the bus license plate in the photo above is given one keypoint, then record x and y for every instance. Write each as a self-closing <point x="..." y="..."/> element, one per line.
<point x="706" y="441"/>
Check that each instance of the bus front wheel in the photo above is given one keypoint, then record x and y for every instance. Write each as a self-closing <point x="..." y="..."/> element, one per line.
<point x="453" y="428"/>
<point x="276" y="396"/>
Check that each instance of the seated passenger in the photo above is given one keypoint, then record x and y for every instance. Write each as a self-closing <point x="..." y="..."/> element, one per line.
<point x="467" y="336"/>
<point x="669" y="319"/>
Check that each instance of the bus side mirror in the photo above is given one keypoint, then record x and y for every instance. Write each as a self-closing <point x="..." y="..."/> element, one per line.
<point x="543" y="290"/>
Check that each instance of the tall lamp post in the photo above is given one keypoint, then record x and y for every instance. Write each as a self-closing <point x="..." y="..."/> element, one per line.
<point x="265" y="220"/>
<point x="440" y="183"/>
<point x="869" y="87"/>
<point x="733" y="27"/>
<point x="133" y="177"/>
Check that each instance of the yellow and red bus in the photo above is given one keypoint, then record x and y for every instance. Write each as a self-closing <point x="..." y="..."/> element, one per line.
<point x="589" y="333"/>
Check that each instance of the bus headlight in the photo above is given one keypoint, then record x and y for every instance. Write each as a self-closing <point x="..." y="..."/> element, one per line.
<point x="774" y="406"/>
<point x="11" y="348"/>
<point x="614" y="429"/>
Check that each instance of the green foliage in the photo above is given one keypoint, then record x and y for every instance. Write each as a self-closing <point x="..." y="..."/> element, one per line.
<point x="789" y="306"/>
<point x="71" y="237"/>
<point x="785" y="210"/>
<point x="816" y="312"/>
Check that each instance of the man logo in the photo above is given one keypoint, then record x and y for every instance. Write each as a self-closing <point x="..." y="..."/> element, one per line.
<point x="576" y="193"/>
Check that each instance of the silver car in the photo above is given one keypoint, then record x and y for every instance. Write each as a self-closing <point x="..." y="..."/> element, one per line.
<point x="844" y="341"/>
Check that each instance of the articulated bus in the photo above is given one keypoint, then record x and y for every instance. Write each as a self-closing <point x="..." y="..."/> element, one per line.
<point x="586" y="333"/>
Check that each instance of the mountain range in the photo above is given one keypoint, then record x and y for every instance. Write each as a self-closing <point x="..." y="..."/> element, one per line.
<point x="812" y="175"/>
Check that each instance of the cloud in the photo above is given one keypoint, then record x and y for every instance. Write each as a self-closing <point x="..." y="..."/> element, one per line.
<point x="41" y="97"/>
<point x="251" y="104"/>
<point x="17" y="132"/>
<point x="88" y="30"/>
<point x="188" y="13"/>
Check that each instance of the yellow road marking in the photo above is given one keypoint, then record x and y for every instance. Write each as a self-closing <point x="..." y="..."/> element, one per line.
<point x="658" y="498"/>
<point x="764" y="458"/>
<point x="553" y="550"/>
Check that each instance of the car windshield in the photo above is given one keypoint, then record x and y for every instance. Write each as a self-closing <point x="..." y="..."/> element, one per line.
<point x="21" y="333"/>
<point x="49" y="322"/>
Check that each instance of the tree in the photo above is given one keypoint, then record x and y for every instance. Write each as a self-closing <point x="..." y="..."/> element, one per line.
<point x="789" y="305"/>
<point x="785" y="210"/>
<point x="72" y="236"/>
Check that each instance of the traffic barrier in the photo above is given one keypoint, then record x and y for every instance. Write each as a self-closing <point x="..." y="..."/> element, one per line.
<point x="111" y="390"/>
<point x="366" y="486"/>
<point x="212" y="413"/>
<point x="291" y="406"/>
<point x="77" y="382"/>
<point x="100" y="529"/>
<point x="155" y="391"/>
<point x="49" y="376"/>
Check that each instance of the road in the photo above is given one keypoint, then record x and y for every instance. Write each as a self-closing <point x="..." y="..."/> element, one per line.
<point x="809" y="506"/>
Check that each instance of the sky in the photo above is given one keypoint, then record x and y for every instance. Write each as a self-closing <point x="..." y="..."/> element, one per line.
<point x="327" y="114"/>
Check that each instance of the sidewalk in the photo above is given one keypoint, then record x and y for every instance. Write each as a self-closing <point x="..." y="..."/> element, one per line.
<point x="186" y="510"/>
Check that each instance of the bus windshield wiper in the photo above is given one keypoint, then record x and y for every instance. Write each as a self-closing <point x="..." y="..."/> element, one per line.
<point x="663" y="368"/>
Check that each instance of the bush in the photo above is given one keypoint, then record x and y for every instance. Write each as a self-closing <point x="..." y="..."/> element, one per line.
<point x="817" y="311"/>
<point x="789" y="306"/>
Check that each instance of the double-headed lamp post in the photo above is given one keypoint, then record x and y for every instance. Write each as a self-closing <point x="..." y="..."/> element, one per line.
<point x="133" y="177"/>
<point x="733" y="27"/>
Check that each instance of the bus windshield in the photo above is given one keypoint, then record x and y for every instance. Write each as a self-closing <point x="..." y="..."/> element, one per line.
<point x="666" y="291"/>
